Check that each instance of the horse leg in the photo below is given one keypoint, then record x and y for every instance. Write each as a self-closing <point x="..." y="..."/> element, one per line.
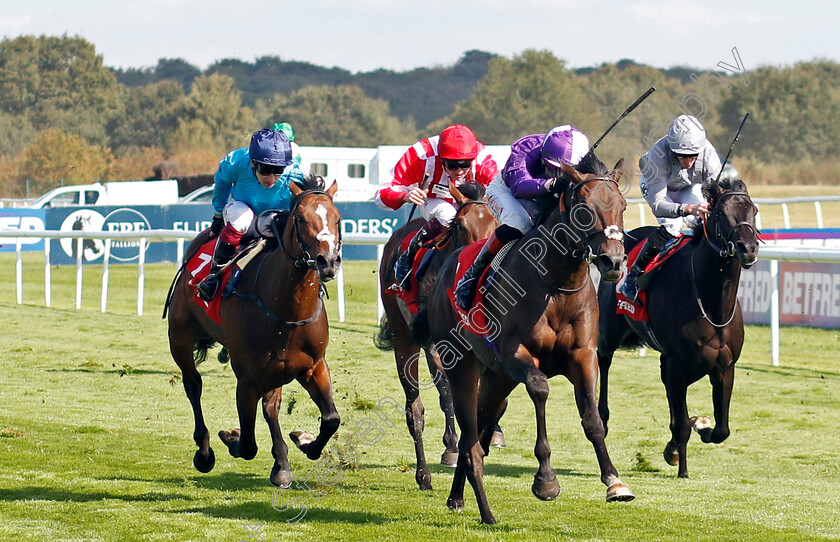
<point x="450" y="435"/>
<point x="407" y="355"/>
<point x="182" y="352"/>
<point x="583" y="374"/>
<point x="241" y="441"/>
<point x="676" y="389"/>
<point x="604" y="363"/>
<point x="281" y="474"/>
<point x="317" y="382"/>
<point x="545" y="486"/>
<point x="492" y="403"/>
<point x="721" y="395"/>
<point x="464" y="381"/>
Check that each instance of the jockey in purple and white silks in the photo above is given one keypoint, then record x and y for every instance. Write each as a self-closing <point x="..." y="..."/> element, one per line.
<point x="674" y="172"/>
<point x="532" y="171"/>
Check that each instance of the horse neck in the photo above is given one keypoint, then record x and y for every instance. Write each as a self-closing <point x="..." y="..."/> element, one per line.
<point x="564" y="270"/>
<point x="716" y="281"/>
<point x="285" y="288"/>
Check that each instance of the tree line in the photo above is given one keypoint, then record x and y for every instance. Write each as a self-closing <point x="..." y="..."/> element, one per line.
<point x="66" y="118"/>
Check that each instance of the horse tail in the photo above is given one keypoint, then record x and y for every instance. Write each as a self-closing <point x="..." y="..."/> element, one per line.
<point x="200" y="349"/>
<point x="420" y="330"/>
<point x="384" y="340"/>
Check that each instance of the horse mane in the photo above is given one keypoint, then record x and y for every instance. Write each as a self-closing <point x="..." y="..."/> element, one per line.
<point x="592" y="164"/>
<point x="727" y="185"/>
<point x="473" y="190"/>
<point x="312" y="181"/>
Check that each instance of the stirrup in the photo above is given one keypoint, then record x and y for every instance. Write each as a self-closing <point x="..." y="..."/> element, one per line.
<point x="628" y="288"/>
<point x="208" y="288"/>
<point x="465" y="292"/>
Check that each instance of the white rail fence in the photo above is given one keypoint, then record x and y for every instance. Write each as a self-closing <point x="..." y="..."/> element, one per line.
<point x="785" y="203"/>
<point x="773" y="253"/>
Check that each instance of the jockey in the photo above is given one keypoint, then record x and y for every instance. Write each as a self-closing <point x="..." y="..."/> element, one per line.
<point x="532" y="171"/>
<point x="249" y="181"/>
<point x="674" y="172"/>
<point x="422" y="177"/>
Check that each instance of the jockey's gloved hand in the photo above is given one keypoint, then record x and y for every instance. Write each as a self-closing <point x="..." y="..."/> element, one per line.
<point x="216" y="226"/>
<point x="555" y="186"/>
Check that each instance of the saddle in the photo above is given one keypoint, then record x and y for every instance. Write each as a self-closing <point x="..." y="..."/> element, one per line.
<point x="475" y="320"/>
<point x="637" y="310"/>
<point x="410" y="295"/>
<point x="198" y="266"/>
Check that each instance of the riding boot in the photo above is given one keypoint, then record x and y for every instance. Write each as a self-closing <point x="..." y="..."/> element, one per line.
<point x="208" y="287"/>
<point x="403" y="266"/>
<point x="465" y="290"/>
<point x="653" y="246"/>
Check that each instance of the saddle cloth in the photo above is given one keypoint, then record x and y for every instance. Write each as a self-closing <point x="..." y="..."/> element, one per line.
<point x="199" y="267"/>
<point x="421" y="260"/>
<point x="474" y="320"/>
<point x="637" y="310"/>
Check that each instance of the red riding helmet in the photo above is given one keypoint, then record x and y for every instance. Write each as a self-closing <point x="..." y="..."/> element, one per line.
<point x="457" y="142"/>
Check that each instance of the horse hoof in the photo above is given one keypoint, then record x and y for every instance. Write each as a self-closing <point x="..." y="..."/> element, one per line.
<point x="456" y="505"/>
<point x="619" y="492"/>
<point x="671" y="455"/>
<point x="497" y="440"/>
<point x="280" y="477"/>
<point x="700" y="423"/>
<point x="204" y="464"/>
<point x="546" y="491"/>
<point x="449" y="459"/>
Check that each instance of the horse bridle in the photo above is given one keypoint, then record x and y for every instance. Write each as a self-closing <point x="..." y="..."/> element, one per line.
<point x="455" y="224"/>
<point x="583" y="251"/>
<point x="306" y="259"/>
<point x="727" y="251"/>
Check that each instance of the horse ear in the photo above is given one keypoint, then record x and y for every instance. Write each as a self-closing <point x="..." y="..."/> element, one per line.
<point x="712" y="191"/>
<point x="295" y="189"/>
<point x="459" y="198"/>
<point x="574" y="174"/>
<point x="332" y="189"/>
<point x="618" y="171"/>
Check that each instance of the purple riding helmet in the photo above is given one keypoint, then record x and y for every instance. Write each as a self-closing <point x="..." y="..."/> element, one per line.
<point x="564" y="145"/>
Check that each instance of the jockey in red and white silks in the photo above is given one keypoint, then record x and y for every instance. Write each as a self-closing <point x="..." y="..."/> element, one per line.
<point x="422" y="177"/>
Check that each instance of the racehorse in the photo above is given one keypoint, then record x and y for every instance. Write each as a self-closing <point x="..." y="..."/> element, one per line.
<point x="473" y="221"/>
<point x="542" y="318"/>
<point x="274" y="327"/>
<point x="692" y="305"/>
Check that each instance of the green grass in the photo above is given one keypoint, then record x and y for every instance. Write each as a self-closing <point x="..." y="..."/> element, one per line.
<point x="96" y="439"/>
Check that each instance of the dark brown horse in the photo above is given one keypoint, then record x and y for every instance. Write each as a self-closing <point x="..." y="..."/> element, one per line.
<point x="542" y="318"/>
<point x="274" y="328"/>
<point x="473" y="221"/>
<point x="692" y="303"/>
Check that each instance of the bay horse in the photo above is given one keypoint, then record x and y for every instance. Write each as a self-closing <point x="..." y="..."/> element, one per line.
<point x="274" y="328"/>
<point x="692" y="305"/>
<point x="542" y="319"/>
<point x="473" y="221"/>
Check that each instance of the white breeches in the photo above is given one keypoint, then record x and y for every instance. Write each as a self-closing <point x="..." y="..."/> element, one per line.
<point x="238" y="215"/>
<point x="439" y="209"/>
<point x="506" y="207"/>
<point x="689" y="194"/>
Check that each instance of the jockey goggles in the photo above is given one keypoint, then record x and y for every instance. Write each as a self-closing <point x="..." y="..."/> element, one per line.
<point x="269" y="169"/>
<point x="686" y="156"/>
<point x="457" y="164"/>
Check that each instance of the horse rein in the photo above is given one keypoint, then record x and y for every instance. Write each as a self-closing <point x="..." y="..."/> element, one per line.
<point x="583" y="250"/>
<point x="304" y="261"/>
<point x="729" y="251"/>
<point x="726" y="254"/>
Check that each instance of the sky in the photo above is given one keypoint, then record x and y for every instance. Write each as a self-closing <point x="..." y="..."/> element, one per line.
<point x="365" y="35"/>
